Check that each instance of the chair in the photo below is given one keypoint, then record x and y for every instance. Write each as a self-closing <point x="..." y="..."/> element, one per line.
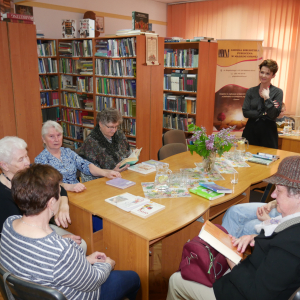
<point x="174" y="136"/>
<point x="25" y="290"/>
<point x="171" y="149"/>
<point x="296" y="295"/>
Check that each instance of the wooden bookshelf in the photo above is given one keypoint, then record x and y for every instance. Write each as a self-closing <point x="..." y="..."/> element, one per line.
<point x="206" y="76"/>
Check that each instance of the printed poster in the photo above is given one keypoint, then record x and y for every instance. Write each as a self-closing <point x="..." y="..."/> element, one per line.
<point x="237" y="71"/>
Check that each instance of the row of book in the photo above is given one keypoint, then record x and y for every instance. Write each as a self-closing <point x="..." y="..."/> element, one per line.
<point x="49" y="99"/>
<point x="76" y="101"/>
<point x="46" y="48"/>
<point x="71" y="144"/>
<point x="118" y="87"/>
<point x="180" y="103"/>
<point x="181" y="58"/>
<point x="51" y="113"/>
<point x="129" y="126"/>
<point x="48" y="82"/>
<point x="71" y="66"/>
<point x="173" y="121"/>
<point x="47" y="65"/>
<point x="122" y="67"/>
<point x="76" y="48"/>
<point x="132" y="143"/>
<point x="127" y="107"/>
<point x="83" y="84"/>
<point x="77" y="117"/>
<point x="180" y="82"/>
<point x="72" y="131"/>
<point x="116" y="47"/>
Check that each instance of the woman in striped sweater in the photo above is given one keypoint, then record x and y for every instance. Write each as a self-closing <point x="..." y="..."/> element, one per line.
<point x="31" y="250"/>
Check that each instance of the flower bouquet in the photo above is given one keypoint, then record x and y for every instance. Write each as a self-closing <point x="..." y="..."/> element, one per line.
<point x="208" y="146"/>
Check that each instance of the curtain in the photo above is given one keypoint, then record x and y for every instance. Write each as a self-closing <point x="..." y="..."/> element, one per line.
<point x="274" y="21"/>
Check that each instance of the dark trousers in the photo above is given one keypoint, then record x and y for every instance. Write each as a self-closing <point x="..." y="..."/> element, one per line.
<point x="261" y="133"/>
<point x="120" y="284"/>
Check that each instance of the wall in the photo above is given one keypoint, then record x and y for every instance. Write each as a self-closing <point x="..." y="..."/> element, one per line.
<point x="117" y="14"/>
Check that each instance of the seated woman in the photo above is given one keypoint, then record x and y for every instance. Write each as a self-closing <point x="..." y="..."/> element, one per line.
<point x="13" y="158"/>
<point x="106" y="146"/>
<point x="272" y="271"/>
<point x="30" y="249"/>
<point x="65" y="160"/>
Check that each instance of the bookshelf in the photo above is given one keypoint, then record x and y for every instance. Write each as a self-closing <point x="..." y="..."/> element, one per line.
<point x="189" y="84"/>
<point x="19" y="88"/>
<point x="89" y="81"/>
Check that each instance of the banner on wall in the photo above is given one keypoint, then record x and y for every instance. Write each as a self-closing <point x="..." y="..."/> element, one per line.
<point x="237" y="71"/>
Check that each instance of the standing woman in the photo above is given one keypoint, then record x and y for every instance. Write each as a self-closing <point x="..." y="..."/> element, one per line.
<point x="262" y="105"/>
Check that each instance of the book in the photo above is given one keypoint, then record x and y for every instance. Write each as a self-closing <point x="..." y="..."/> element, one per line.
<point x="216" y="188"/>
<point x="140" y="20"/>
<point x="268" y="156"/>
<point x="143" y="168"/>
<point x="18" y="17"/>
<point x="206" y="193"/>
<point x="127" y="201"/>
<point x="120" y="183"/>
<point x="219" y="240"/>
<point x="261" y="161"/>
<point x="148" y="210"/>
<point x="87" y="28"/>
<point x="132" y="158"/>
<point x="68" y="29"/>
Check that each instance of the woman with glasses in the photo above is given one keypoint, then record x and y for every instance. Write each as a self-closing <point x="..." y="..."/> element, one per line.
<point x="106" y="145"/>
<point x="65" y="160"/>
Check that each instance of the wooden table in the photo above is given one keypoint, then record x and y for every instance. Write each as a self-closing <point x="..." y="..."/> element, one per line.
<point x="289" y="143"/>
<point x="126" y="238"/>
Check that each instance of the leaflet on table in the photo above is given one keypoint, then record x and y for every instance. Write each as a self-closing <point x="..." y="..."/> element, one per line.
<point x="213" y="175"/>
<point x="238" y="164"/>
<point x="172" y="192"/>
<point x="153" y="162"/>
<point x="127" y="201"/>
<point x="143" y="168"/>
<point x="224" y="167"/>
<point x="148" y="209"/>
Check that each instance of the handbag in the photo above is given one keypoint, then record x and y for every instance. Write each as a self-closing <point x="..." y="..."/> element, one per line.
<point x="202" y="263"/>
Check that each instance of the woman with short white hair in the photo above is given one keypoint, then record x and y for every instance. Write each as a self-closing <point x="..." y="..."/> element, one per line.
<point x="14" y="158"/>
<point x="65" y="160"/>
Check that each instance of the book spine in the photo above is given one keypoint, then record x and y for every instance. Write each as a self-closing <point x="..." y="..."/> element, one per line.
<point x="18" y="17"/>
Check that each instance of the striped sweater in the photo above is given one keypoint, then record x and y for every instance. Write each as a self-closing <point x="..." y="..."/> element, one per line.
<point x="52" y="261"/>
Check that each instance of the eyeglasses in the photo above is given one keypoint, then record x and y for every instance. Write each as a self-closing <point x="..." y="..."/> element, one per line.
<point x="112" y="127"/>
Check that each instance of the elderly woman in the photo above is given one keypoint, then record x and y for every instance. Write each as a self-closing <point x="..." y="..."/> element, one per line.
<point x="65" y="160"/>
<point x="42" y="256"/>
<point x="262" y="105"/>
<point x="106" y="146"/>
<point x="272" y="271"/>
<point x="13" y="158"/>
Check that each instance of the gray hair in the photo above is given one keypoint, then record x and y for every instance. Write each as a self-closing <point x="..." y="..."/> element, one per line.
<point x="293" y="191"/>
<point x="8" y="145"/>
<point x="109" y="115"/>
<point x="51" y="124"/>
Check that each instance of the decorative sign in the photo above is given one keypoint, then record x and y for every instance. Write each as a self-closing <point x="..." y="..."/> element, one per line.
<point x="151" y="49"/>
<point x="237" y="71"/>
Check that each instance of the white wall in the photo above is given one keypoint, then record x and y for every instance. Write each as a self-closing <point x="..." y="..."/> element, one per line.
<point x="49" y="20"/>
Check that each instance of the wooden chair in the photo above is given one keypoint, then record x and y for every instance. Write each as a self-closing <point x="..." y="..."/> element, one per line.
<point x="174" y="136"/>
<point x="171" y="149"/>
<point x="20" y="289"/>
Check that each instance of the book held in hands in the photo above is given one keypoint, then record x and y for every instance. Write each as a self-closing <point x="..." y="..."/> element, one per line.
<point x="221" y="241"/>
<point x="206" y="193"/>
<point x="132" y="158"/>
<point x="127" y="201"/>
<point x="120" y="183"/>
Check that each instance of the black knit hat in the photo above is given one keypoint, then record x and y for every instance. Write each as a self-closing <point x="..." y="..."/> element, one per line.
<point x="288" y="173"/>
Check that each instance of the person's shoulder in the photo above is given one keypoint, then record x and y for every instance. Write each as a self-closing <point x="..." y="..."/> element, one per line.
<point x="8" y="222"/>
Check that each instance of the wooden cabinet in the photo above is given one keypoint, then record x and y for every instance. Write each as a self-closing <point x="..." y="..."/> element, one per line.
<point x="19" y="96"/>
<point x="189" y="84"/>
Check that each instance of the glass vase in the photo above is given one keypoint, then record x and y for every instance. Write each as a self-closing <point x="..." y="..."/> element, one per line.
<point x="209" y="162"/>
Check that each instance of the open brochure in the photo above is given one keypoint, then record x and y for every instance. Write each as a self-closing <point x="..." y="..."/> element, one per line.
<point x="132" y="158"/>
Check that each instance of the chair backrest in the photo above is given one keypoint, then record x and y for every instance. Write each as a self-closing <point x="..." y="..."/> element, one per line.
<point x="266" y="197"/>
<point x="171" y="149"/>
<point x="174" y="136"/>
<point x="296" y="295"/>
<point x="25" y="290"/>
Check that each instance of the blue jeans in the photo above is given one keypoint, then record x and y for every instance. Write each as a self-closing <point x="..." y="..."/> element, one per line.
<point x="240" y="219"/>
<point x="120" y="284"/>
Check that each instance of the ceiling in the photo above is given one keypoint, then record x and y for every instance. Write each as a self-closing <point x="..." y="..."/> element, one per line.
<point x="178" y="1"/>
